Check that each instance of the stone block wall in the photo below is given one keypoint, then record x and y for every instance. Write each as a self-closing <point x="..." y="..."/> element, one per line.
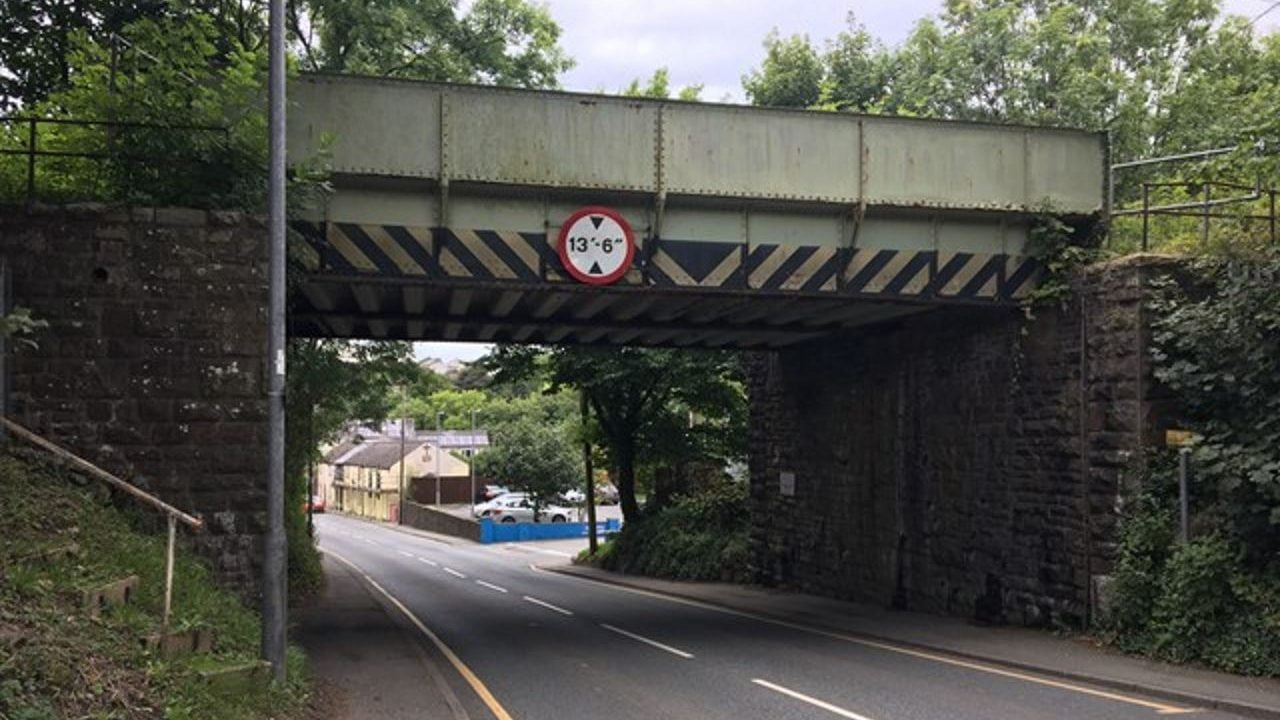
<point x="152" y="366"/>
<point x="962" y="461"/>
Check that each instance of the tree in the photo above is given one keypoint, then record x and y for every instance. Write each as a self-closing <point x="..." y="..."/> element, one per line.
<point x="531" y="457"/>
<point x="659" y="87"/>
<point x="791" y="75"/>
<point x="858" y="69"/>
<point x="641" y="400"/>
<point x="503" y="42"/>
<point x="185" y="72"/>
<point x="37" y="37"/>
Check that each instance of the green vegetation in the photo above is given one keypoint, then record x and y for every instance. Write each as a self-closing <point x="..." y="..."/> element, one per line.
<point x="1216" y="599"/>
<point x="699" y="536"/>
<point x="532" y="457"/>
<point x="1159" y="76"/>
<point x="55" y="661"/>
<point x="330" y="384"/>
<point x="650" y="408"/>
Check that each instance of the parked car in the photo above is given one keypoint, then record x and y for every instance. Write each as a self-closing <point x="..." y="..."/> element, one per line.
<point x="316" y="505"/>
<point x="489" y="492"/>
<point x="606" y="494"/>
<point x="505" y="500"/>
<point x="522" y="511"/>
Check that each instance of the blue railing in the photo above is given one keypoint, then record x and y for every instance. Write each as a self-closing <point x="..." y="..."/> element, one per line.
<point x="492" y="532"/>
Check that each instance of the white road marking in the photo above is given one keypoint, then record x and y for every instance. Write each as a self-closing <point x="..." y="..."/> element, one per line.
<point x="432" y="563"/>
<point x="647" y="641"/>
<point x="491" y="586"/>
<point x="548" y="605"/>
<point x="405" y="553"/>
<point x="544" y="551"/>
<point x="455" y="573"/>
<point x="1160" y="708"/>
<point x="811" y="700"/>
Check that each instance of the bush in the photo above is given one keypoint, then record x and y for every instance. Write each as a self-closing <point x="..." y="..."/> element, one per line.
<point x="698" y="537"/>
<point x="1198" y="602"/>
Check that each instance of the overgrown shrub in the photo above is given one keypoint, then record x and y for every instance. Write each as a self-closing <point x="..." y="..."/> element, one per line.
<point x="1216" y="599"/>
<point x="698" y="537"/>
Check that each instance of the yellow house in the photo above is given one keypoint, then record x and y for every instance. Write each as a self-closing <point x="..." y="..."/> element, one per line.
<point x="362" y="476"/>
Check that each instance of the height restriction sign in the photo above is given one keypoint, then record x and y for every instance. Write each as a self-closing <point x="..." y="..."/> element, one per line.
<point x="597" y="245"/>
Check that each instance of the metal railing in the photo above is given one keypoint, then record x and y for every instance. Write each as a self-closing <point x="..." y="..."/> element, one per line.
<point x="172" y="513"/>
<point x="1206" y="208"/>
<point x="107" y="149"/>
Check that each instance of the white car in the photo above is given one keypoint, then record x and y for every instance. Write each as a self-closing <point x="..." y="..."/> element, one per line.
<point x="574" y="496"/>
<point x="503" y="501"/>
<point x="522" y="511"/>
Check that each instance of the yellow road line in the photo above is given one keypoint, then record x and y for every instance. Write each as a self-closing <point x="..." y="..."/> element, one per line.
<point x="1160" y="708"/>
<point x="472" y="679"/>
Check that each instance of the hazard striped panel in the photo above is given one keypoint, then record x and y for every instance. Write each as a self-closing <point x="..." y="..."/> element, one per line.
<point x="1021" y="275"/>
<point x="888" y="272"/>
<point x="491" y="255"/>
<point x="800" y="268"/>
<point x="348" y="248"/>
<point x="688" y="263"/>
<point x="304" y="245"/>
<point x="968" y="276"/>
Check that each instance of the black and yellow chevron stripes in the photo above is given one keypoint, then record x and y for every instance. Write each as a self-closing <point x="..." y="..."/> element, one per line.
<point x="803" y="268"/>
<point x="509" y="256"/>
<point x="492" y="255"/>
<point x="887" y="272"/>
<point x="1021" y="275"/>
<point x="687" y="263"/>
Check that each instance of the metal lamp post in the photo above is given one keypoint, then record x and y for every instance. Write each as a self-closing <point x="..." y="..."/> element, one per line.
<point x="274" y="589"/>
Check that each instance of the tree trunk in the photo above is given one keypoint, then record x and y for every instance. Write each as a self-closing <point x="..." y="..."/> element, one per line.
<point x="624" y="466"/>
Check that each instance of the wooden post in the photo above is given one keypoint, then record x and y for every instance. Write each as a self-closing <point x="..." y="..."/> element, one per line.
<point x="168" y="573"/>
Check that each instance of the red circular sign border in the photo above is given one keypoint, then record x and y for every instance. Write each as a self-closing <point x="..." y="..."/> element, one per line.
<point x="563" y="249"/>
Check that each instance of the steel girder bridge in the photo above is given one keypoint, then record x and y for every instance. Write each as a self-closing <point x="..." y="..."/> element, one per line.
<point x="753" y="227"/>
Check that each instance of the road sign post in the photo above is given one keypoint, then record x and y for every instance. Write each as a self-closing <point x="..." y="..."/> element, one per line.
<point x="597" y="245"/>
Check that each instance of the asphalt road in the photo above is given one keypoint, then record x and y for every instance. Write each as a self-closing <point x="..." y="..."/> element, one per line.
<point x="530" y="644"/>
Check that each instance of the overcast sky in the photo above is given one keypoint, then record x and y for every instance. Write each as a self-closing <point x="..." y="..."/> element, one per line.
<point x="715" y="42"/>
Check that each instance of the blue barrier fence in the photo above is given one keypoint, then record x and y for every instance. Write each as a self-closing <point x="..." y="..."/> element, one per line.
<point x="492" y="532"/>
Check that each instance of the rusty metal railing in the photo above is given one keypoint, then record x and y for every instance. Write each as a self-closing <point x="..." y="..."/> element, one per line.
<point x="173" y="514"/>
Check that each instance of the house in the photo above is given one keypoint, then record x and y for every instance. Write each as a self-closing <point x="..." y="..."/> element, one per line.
<point x="362" y="473"/>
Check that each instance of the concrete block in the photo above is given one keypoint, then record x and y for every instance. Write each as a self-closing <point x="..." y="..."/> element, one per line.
<point x="112" y="594"/>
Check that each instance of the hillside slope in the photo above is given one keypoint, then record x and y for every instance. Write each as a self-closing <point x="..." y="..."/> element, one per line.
<point x="62" y="537"/>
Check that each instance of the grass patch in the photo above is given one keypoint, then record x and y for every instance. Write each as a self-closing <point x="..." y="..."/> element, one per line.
<point x="698" y="537"/>
<point x="56" y="661"/>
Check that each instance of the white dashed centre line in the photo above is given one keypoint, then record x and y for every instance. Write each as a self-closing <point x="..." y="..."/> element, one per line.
<point x="432" y="563"/>
<point x="811" y="700"/>
<point x="547" y="605"/>
<point x="647" y="641"/>
<point x="491" y="586"/>
<point x="404" y="553"/>
<point x="455" y="573"/>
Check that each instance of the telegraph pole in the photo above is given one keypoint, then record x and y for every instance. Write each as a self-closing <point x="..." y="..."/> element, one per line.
<point x="585" y="411"/>
<point x="274" y="583"/>
<point x="471" y="461"/>
<point x="439" y="445"/>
